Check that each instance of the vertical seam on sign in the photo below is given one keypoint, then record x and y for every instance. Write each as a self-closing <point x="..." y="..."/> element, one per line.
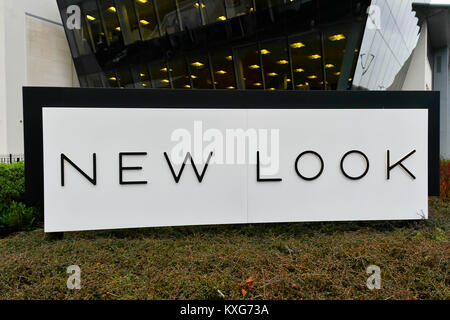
<point x="247" y="166"/>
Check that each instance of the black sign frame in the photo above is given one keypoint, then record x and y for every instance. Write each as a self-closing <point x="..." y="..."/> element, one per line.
<point x="36" y="98"/>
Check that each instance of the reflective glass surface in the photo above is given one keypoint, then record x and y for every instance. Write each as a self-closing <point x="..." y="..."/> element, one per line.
<point x="217" y="44"/>
<point x="147" y="19"/>
<point x="200" y="72"/>
<point x="250" y="68"/>
<point x="159" y="74"/>
<point x="276" y="65"/>
<point x="307" y="62"/>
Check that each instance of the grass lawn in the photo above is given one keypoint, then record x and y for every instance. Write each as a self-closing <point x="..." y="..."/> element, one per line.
<point x="268" y="261"/>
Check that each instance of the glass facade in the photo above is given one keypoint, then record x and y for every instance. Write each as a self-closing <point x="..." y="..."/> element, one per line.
<point x="217" y="44"/>
<point x="389" y="40"/>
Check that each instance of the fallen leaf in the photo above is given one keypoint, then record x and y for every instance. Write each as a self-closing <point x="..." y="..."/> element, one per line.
<point x="250" y="282"/>
<point x="244" y="292"/>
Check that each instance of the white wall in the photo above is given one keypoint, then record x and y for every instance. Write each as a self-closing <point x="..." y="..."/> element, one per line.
<point x="3" y="114"/>
<point x="33" y="51"/>
<point x="420" y="74"/>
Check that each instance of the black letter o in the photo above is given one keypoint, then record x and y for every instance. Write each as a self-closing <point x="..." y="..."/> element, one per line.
<point x="321" y="165"/>
<point x="365" y="158"/>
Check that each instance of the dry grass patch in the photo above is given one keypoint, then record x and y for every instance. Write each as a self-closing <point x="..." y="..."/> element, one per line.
<point x="276" y="261"/>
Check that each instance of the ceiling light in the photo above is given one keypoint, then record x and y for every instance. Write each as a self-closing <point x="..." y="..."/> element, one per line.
<point x="297" y="45"/>
<point x="230" y="87"/>
<point x="197" y="64"/>
<point x="91" y="18"/>
<point x="329" y="65"/>
<point x="337" y="73"/>
<point x="312" y="77"/>
<point x="337" y="37"/>
<point x="271" y="89"/>
<point x="282" y="61"/>
<point x="314" y="56"/>
<point x="193" y="77"/>
<point x="222" y="18"/>
<point x="142" y="74"/>
<point x="165" y="80"/>
<point x="229" y="58"/>
<point x="257" y="84"/>
<point x="265" y="51"/>
<point x="299" y="70"/>
<point x="118" y="28"/>
<point x="142" y="1"/>
<point x="144" y="84"/>
<point x="113" y="78"/>
<point x="187" y="86"/>
<point x="254" y="66"/>
<point x="272" y="74"/>
<point x="221" y="72"/>
<point x="144" y="22"/>
<point x="112" y="9"/>
<point x="288" y="80"/>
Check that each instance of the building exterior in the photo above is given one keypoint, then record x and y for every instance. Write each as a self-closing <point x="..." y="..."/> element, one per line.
<point x="33" y="52"/>
<point x="245" y="44"/>
<point x="436" y="18"/>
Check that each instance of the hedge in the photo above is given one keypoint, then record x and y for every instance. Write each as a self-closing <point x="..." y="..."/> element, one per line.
<point x="14" y="214"/>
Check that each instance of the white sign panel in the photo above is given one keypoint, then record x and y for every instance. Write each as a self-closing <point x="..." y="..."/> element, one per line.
<point x="109" y="168"/>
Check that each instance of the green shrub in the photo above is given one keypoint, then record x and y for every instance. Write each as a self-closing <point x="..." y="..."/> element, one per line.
<point x="17" y="217"/>
<point x="12" y="183"/>
<point x="14" y="214"/>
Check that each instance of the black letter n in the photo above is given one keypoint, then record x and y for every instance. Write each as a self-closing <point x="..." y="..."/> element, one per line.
<point x="92" y="180"/>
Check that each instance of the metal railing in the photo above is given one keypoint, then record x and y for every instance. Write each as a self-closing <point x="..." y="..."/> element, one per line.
<point x="11" y="158"/>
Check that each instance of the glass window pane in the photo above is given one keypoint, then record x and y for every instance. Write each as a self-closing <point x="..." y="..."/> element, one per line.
<point x="223" y="67"/>
<point x="190" y="13"/>
<point x="125" y="78"/>
<point x="147" y="19"/>
<point x="265" y="4"/>
<point x="130" y="23"/>
<point x="277" y="69"/>
<point x="306" y="61"/>
<point x="168" y="16"/>
<point x="236" y="8"/>
<point x="94" y="26"/>
<point x="160" y="74"/>
<point x="335" y="42"/>
<point x="112" y="78"/>
<point x="95" y="80"/>
<point x="113" y="30"/>
<point x="200" y="73"/>
<point x="214" y="10"/>
<point x="143" y="77"/>
<point x="179" y="74"/>
<point x="250" y="68"/>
